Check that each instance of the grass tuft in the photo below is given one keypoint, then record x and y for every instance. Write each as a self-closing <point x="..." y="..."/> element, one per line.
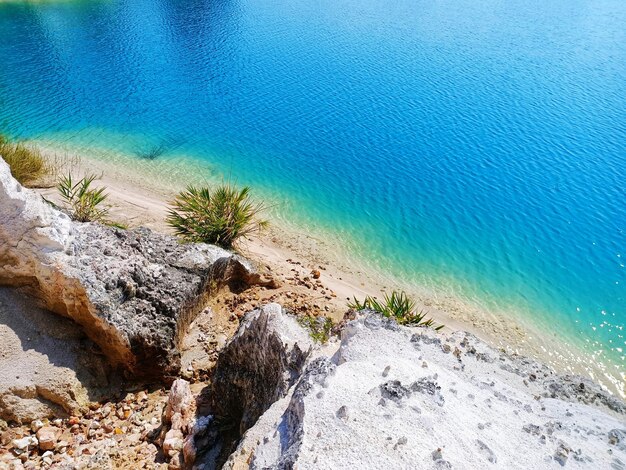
<point x="397" y="306"/>
<point x="219" y="216"/>
<point x="27" y="164"/>
<point x="319" y="327"/>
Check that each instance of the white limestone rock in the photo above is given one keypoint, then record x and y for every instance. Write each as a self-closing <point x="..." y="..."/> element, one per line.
<point x="33" y="235"/>
<point x="373" y="405"/>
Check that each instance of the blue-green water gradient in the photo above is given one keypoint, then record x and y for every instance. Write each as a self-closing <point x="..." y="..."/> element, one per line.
<point x="478" y="145"/>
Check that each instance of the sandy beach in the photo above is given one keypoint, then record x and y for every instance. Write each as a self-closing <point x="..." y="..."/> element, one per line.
<point x="138" y="195"/>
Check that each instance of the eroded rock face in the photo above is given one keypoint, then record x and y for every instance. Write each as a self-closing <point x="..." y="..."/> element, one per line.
<point x="259" y="365"/>
<point x="137" y="290"/>
<point x="133" y="292"/>
<point x="256" y="368"/>
<point x="397" y="397"/>
<point x="32" y="234"/>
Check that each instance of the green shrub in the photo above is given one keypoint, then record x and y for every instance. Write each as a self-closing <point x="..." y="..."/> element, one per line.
<point x="319" y="328"/>
<point x="397" y="306"/>
<point x="27" y="164"/>
<point x="82" y="201"/>
<point x="219" y="216"/>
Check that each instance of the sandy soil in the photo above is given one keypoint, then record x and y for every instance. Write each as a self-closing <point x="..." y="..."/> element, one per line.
<point x="137" y="200"/>
<point x="42" y="368"/>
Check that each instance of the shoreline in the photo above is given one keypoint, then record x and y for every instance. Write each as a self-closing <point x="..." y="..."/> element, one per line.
<point x="139" y="196"/>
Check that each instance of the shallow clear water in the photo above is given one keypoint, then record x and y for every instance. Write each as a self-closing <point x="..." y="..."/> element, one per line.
<point x="473" y="146"/>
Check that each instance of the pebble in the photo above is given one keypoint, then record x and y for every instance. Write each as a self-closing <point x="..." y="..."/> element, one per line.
<point x="24" y="443"/>
<point x="47" y="436"/>
<point x="47" y="457"/>
<point x="36" y="425"/>
<point x="562" y="453"/>
<point x="62" y="446"/>
<point x="173" y="441"/>
<point x="107" y="427"/>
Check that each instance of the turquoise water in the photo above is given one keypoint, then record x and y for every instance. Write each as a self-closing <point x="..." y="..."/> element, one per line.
<point x="473" y="146"/>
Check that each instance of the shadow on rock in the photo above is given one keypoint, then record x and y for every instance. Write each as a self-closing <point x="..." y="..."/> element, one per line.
<point x="255" y="369"/>
<point x="47" y="365"/>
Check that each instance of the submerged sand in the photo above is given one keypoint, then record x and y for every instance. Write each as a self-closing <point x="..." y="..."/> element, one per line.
<point x="139" y="192"/>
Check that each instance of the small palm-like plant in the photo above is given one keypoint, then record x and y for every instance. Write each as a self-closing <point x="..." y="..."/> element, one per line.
<point x="397" y="306"/>
<point x="219" y="216"/>
<point x="82" y="201"/>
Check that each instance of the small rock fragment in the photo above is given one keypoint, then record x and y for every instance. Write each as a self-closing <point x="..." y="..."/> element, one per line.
<point x="486" y="451"/>
<point x="36" y="425"/>
<point x="24" y="443"/>
<point x="394" y="390"/>
<point x="617" y="437"/>
<point x="47" y="436"/>
<point x="342" y="413"/>
<point x="173" y="441"/>
<point x="562" y="453"/>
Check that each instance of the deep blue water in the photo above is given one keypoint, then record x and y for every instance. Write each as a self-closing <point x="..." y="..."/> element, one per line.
<point x="477" y="146"/>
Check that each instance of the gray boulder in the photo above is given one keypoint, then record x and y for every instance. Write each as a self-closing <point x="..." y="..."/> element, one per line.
<point x="255" y="369"/>
<point x="138" y="291"/>
<point x="134" y="292"/>
<point x="259" y="365"/>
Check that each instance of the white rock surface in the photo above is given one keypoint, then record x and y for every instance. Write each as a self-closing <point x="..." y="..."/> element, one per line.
<point x="404" y="398"/>
<point x="32" y="233"/>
